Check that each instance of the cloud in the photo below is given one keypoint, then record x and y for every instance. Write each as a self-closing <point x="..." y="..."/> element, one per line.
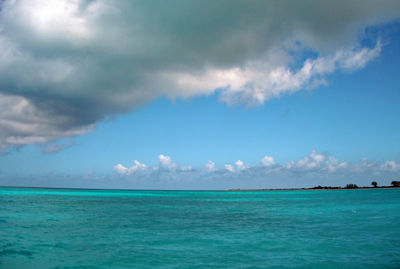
<point x="239" y="165"/>
<point x="121" y="169"/>
<point x="391" y="166"/>
<point x="258" y="81"/>
<point x="268" y="161"/>
<point x="314" y="161"/>
<point x="210" y="166"/>
<point x="57" y="148"/>
<point x="137" y="166"/>
<point x="23" y="123"/>
<point x="66" y="65"/>
<point x="166" y="162"/>
<point x="229" y="167"/>
<point x="311" y="170"/>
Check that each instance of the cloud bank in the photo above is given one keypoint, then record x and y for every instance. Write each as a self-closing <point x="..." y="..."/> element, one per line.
<point x="314" y="169"/>
<point x="309" y="171"/>
<point x="67" y="64"/>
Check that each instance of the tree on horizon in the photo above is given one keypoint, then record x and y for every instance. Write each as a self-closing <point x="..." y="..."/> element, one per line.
<point x="374" y="183"/>
<point x="351" y="186"/>
<point x="395" y="183"/>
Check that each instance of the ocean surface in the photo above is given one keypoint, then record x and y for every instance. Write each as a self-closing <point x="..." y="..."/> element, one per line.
<point x="65" y="228"/>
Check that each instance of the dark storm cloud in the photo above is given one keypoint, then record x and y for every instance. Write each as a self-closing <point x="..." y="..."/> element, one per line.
<point x="66" y="65"/>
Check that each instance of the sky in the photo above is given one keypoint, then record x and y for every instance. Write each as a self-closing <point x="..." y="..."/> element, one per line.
<point x="199" y="94"/>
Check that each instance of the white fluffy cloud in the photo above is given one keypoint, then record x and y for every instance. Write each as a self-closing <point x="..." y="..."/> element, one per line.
<point x="67" y="64"/>
<point x="268" y="161"/>
<point x="229" y="167"/>
<point x="239" y="166"/>
<point x="137" y="166"/>
<point x="166" y="162"/>
<point x="314" y="161"/>
<point x="210" y="166"/>
<point x="391" y="166"/>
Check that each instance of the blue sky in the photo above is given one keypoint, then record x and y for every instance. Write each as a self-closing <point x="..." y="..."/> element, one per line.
<point x="210" y="124"/>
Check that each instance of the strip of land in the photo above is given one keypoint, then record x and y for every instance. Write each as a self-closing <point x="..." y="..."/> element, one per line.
<point x="316" y="188"/>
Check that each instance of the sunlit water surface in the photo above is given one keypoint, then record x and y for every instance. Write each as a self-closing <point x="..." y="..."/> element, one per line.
<point x="64" y="228"/>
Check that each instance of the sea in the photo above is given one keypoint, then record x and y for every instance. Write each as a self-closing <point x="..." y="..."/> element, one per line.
<point x="76" y="228"/>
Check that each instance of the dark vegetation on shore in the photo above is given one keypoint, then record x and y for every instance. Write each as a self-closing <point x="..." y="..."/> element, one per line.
<point x="374" y="184"/>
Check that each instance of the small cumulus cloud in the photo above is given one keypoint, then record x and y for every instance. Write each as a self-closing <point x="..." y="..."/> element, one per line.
<point x="391" y="166"/>
<point x="166" y="162"/>
<point x="268" y="161"/>
<point x="239" y="166"/>
<point x="229" y="167"/>
<point x="313" y="161"/>
<point x="123" y="170"/>
<point x="210" y="166"/>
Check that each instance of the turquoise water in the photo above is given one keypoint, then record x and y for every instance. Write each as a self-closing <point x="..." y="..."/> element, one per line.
<point x="60" y="228"/>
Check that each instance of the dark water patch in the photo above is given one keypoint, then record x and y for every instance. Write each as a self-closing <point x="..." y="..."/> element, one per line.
<point x="11" y="251"/>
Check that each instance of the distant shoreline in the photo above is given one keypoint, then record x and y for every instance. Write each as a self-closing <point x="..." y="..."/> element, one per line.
<point x="315" y="189"/>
